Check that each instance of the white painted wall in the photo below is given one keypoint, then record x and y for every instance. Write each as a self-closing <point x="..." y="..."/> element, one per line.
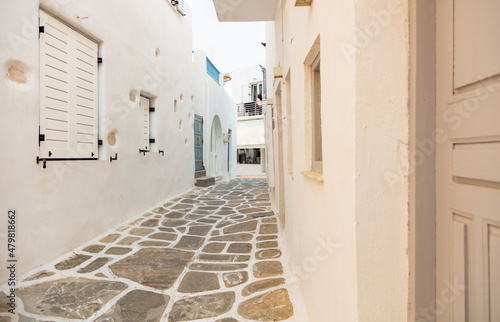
<point x="363" y="276"/>
<point x="68" y="203"/>
<point x="241" y="78"/>
<point x="211" y="101"/>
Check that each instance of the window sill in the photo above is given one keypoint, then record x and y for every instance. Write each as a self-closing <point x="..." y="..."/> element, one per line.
<point x="313" y="175"/>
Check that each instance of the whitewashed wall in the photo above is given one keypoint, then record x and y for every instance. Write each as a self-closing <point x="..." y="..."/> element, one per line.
<point x="347" y="236"/>
<point x="241" y="79"/>
<point x="212" y="100"/>
<point x="146" y="47"/>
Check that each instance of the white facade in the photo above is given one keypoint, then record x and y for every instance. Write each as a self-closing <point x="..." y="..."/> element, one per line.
<point x="346" y="227"/>
<point x="363" y="275"/>
<point x="218" y="110"/>
<point x="245" y="84"/>
<point x="146" y="57"/>
<point x="239" y="87"/>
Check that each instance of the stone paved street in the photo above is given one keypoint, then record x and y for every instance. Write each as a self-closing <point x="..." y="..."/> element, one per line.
<point x="212" y="254"/>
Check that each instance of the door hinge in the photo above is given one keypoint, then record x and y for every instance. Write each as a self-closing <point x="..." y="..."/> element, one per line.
<point x="99" y="142"/>
<point x="151" y="140"/>
<point x="99" y="60"/>
<point x="41" y="29"/>
<point x="151" y="109"/>
<point x="41" y="137"/>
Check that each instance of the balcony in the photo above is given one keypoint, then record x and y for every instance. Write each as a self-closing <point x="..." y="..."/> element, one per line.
<point x="251" y="109"/>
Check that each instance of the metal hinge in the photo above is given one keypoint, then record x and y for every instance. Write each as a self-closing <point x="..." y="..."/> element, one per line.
<point x="99" y="60"/>
<point x="151" y="140"/>
<point x="41" y="29"/>
<point x="41" y="137"/>
<point x="151" y="109"/>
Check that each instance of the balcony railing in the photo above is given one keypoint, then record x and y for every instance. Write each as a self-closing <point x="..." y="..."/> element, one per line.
<point x="251" y="109"/>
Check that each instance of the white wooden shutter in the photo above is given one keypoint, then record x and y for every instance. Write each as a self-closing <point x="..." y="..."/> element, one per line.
<point x="181" y="7"/>
<point x="68" y="92"/>
<point x="144" y="123"/>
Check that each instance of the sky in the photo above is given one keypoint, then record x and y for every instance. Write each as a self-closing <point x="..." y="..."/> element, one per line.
<point x="229" y="45"/>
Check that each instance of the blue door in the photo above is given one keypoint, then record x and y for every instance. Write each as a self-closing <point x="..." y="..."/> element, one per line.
<point x="198" y="142"/>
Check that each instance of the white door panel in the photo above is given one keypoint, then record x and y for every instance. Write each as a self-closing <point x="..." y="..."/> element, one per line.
<point x="468" y="159"/>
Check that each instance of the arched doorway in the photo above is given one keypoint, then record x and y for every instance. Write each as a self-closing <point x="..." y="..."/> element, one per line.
<point x="216" y="148"/>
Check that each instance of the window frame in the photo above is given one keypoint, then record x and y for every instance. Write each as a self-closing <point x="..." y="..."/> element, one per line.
<point x="317" y="137"/>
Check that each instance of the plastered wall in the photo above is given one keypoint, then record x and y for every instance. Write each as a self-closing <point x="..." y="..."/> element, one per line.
<point x="214" y="102"/>
<point x="347" y="234"/>
<point x="146" y="49"/>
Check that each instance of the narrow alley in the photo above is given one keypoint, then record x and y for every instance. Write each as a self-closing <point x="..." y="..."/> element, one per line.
<point x="213" y="254"/>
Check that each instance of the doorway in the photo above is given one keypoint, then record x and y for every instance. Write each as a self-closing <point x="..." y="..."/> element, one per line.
<point x="216" y="148"/>
<point x="198" y="143"/>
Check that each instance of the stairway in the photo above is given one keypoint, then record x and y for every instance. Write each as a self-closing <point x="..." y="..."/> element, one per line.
<point x="202" y="180"/>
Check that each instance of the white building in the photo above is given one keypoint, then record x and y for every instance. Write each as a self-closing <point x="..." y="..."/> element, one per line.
<point x="216" y="111"/>
<point x="248" y="92"/>
<point x="383" y="145"/>
<point x="98" y="116"/>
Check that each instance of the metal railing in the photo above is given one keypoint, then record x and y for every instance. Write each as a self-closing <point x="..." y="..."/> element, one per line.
<point x="251" y="108"/>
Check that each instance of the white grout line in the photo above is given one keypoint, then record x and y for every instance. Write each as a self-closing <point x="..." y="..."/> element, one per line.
<point x="291" y="284"/>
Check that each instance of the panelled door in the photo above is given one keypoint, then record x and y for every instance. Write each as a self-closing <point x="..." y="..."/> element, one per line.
<point x="198" y="143"/>
<point x="468" y="160"/>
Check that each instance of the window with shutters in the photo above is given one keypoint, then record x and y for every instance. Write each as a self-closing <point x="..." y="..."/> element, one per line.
<point x="68" y="92"/>
<point x="144" y="126"/>
<point x="181" y="7"/>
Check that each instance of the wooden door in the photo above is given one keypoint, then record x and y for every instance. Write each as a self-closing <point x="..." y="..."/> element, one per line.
<point x="468" y="160"/>
<point x="198" y="143"/>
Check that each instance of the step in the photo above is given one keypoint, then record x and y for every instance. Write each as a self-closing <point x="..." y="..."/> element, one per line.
<point x="200" y="173"/>
<point x="205" y="181"/>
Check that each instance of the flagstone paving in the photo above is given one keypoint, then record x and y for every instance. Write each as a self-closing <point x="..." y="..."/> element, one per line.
<point x="207" y="255"/>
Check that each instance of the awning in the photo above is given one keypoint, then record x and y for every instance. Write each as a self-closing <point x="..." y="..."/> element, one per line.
<point x="251" y="134"/>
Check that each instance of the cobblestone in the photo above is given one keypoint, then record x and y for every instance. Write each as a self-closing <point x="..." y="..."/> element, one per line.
<point x="202" y="255"/>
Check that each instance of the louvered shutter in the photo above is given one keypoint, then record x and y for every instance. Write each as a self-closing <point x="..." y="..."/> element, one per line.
<point x="181" y="7"/>
<point x="68" y="92"/>
<point x="144" y="127"/>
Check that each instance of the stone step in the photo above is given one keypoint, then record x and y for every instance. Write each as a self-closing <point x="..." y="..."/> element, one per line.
<point x="200" y="173"/>
<point x="205" y="181"/>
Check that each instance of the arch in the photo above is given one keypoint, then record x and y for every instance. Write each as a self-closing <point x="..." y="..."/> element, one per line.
<point x="216" y="148"/>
